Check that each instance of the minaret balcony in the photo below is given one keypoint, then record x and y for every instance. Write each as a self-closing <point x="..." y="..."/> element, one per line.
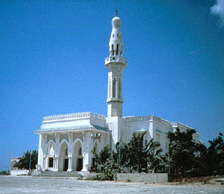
<point x="119" y="59"/>
<point x="115" y="100"/>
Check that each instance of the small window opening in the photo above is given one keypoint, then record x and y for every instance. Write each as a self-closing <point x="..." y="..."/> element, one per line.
<point x="80" y="151"/>
<point x="117" y="49"/>
<point x="66" y="152"/>
<point x="112" y="48"/>
<point x="113" y="35"/>
<point x="114" y="87"/>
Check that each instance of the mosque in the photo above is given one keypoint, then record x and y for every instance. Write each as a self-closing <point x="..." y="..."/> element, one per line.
<point x="66" y="141"/>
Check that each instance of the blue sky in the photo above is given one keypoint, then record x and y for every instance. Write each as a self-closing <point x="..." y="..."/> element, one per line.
<point x="52" y="62"/>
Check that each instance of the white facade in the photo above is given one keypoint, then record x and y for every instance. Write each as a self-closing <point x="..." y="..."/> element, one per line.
<point x="66" y="141"/>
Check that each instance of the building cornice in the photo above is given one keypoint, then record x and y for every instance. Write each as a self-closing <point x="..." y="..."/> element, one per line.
<point x="70" y="129"/>
<point x="72" y="116"/>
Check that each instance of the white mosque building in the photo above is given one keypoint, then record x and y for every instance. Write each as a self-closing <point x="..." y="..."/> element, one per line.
<point x="66" y="141"/>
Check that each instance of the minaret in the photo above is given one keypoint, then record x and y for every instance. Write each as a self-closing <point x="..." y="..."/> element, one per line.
<point x="115" y="64"/>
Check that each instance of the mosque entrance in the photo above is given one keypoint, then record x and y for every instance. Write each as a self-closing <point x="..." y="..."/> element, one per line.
<point x="50" y="162"/>
<point x="65" y="165"/>
<point x="63" y="160"/>
<point x="79" y="164"/>
<point x="78" y="158"/>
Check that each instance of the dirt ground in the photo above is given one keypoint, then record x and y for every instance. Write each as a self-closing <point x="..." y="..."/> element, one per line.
<point x="9" y="184"/>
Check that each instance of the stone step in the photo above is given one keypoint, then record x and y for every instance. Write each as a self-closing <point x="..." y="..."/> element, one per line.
<point x="56" y="174"/>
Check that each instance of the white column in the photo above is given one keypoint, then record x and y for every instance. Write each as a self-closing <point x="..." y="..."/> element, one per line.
<point x="44" y="162"/>
<point x="69" y="162"/>
<point x="70" y="151"/>
<point x="56" y="152"/>
<point x="40" y="151"/>
<point x="86" y="151"/>
<point x="56" y="162"/>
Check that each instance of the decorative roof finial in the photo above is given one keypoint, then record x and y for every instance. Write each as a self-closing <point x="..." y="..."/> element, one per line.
<point x="116" y="12"/>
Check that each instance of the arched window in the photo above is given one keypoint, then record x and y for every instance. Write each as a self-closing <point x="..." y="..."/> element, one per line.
<point x="66" y="152"/>
<point x="113" y="35"/>
<point x="114" y="87"/>
<point x="80" y="151"/>
<point x="117" y="49"/>
<point x="112" y="48"/>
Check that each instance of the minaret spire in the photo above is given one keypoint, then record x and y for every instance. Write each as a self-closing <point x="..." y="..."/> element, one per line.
<point x="115" y="64"/>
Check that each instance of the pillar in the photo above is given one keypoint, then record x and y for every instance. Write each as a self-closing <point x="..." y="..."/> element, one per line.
<point x="86" y="151"/>
<point x="69" y="163"/>
<point x="41" y="150"/>
<point x="70" y="151"/>
<point x="44" y="162"/>
<point x="56" y="157"/>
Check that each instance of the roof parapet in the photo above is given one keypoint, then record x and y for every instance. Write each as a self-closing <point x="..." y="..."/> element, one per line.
<point x="71" y="116"/>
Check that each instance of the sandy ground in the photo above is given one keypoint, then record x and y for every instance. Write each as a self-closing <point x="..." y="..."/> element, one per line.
<point x="9" y="184"/>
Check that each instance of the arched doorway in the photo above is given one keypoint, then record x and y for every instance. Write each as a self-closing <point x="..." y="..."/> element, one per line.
<point x="77" y="158"/>
<point x="50" y="155"/>
<point x="63" y="161"/>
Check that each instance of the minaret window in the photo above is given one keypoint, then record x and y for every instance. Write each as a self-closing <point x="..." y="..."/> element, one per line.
<point x="114" y="87"/>
<point x="112" y="48"/>
<point x="117" y="49"/>
<point x="113" y="35"/>
<point x="119" y="89"/>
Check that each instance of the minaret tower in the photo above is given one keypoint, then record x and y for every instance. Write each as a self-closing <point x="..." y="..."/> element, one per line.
<point x="115" y="64"/>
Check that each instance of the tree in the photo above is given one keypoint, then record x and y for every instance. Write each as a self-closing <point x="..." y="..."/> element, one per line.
<point x="140" y="157"/>
<point x="104" y="164"/>
<point x="184" y="156"/>
<point x="155" y="159"/>
<point x="136" y="152"/>
<point x="129" y="157"/>
<point x="215" y="155"/>
<point x="29" y="159"/>
<point x="100" y="158"/>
